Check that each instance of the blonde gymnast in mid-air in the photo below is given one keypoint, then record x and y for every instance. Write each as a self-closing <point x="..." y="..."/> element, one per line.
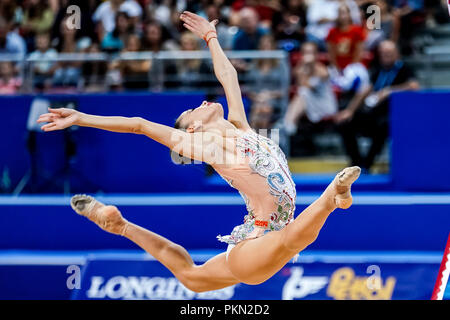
<point x="270" y="236"/>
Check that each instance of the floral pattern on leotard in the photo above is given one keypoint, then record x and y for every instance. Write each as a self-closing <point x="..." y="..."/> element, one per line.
<point x="266" y="159"/>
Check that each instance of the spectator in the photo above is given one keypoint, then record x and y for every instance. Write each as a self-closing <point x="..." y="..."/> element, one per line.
<point x="94" y="71"/>
<point x="43" y="70"/>
<point x="412" y="18"/>
<point x="389" y="25"/>
<point x="104" y="15"/>
<point x="133" y="74"/>
<point x="38" y="18"/>
<point x="114" y="41"/>
<point x="322" y="15"/>
<point x="267" y="10"/>
<point x="224" y="34"/>
<point x="367" y="114"/>
<point x="87" y="26"/>
<point x="268" y="81"/>
<point x="289" y="25"/>
<point x="162" y="11"/>
<point x="9" y="83"/>
<point x="436" y="12"/>
<point x="162" y="74"/>
<point x="345" y="47"/>
<point x="191" y="73"/>
<point x="67" y="73"/>
<point x="11" y="42"/>
<point x="314" y="96"/>
<point x="11" y="12"/>
<point x="250" y="31"/>
<point x="156" y="38"/>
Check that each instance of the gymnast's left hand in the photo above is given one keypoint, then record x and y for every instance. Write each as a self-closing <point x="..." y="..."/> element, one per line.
<point x="198" y="25"/>
<point x="58" y="119"/>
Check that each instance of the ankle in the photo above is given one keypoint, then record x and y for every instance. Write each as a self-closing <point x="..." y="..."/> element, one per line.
<point x="328" y="201"/>
<point x="342" y="189"/>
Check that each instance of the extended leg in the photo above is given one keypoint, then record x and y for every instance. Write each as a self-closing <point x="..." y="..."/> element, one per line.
<point x="212" y="275"/>
<point x="306" y="227"/>
<point x="255" y="261"/>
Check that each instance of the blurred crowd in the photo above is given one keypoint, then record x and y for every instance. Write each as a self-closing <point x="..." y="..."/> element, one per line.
<point x="345" y="55"/>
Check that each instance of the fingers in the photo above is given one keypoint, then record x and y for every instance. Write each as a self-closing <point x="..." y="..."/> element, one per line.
<point x="47" y="117"/>
<point x="49" y="127"/>
<point x="191" y="15"/>
<point x="215" y="22"/>
<point x="188" y="19"/>
<point x="56" y="111"/>
<point x="190" y="28"/>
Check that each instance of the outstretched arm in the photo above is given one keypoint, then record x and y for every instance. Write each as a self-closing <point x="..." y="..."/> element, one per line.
<point x="181" y="142"/>
<point x="223" y="69"/>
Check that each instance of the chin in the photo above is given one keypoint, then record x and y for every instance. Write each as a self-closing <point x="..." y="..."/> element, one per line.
<point x="219" y="108"/>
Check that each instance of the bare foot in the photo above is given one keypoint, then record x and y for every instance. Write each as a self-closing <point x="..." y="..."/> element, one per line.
<point x="106" y="217"/>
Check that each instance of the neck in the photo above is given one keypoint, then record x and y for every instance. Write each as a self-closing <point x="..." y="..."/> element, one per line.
<point x="221" y="125"/>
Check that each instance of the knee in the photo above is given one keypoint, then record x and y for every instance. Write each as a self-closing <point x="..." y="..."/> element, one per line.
<point x="193" y="285"/>
<point x="190" y="281"/>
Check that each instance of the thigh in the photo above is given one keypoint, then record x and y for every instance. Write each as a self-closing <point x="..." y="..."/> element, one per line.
<point x="254" y="261"/>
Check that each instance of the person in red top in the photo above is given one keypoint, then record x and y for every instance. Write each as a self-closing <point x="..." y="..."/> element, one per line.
<point x="345" y="41"/>
<point x="345" y="47"/>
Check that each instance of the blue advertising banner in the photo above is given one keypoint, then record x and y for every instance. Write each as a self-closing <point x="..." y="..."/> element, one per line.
<point x="148" y="279"/>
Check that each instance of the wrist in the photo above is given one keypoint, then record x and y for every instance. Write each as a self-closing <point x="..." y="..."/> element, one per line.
<point x="210" y="35"/>
<point x="80" y="119"/>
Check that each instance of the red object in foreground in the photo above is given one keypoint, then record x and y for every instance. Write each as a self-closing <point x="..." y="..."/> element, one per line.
<point x="261" y="223"/>
<point x="444" y="271"/>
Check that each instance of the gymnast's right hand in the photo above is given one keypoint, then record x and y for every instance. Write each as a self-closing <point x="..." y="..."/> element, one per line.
<point x="197" y="24"/>
<point x="58" y="119"/>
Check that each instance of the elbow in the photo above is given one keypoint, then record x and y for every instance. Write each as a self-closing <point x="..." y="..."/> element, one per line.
<point x="137" y="124"/>
<point x="227" y="72"/>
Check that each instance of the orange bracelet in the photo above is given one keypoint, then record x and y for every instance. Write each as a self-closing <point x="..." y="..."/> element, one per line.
<point x="206" y="35"/>
<point x="207" y="42"/>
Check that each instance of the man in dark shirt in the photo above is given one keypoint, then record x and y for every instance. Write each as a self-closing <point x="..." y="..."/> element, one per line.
<point x="250" y="32"/>
<point x="368" y="112"/>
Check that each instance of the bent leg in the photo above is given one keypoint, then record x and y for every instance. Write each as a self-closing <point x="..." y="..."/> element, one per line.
<point x="255" y="261"/>
<point x="212" y="275"/>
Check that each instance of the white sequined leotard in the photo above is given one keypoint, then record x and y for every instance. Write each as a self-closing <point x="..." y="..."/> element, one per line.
<point x="263" y="179"/>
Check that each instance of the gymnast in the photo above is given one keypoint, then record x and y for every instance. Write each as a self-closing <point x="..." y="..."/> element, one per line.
<point x="270" y="236"/>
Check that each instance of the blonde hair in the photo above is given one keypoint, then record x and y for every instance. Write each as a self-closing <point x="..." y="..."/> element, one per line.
<point x="192" y="63"/>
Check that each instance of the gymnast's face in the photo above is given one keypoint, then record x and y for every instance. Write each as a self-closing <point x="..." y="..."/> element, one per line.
<point x="201" y="117"/>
